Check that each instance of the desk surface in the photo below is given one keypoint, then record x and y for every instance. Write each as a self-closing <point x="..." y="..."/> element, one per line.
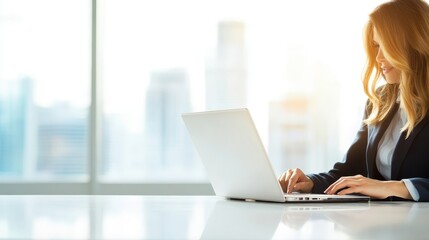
<point x="206" y="217"/>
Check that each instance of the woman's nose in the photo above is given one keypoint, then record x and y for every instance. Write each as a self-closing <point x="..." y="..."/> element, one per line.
<point x="380" y="57"/>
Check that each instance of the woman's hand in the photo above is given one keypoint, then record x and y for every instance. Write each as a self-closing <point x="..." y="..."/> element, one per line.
<point x="370" y="187"/>
<point x="295" y="180"/>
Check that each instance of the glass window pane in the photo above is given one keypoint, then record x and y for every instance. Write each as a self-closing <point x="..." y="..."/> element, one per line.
<point x="292" y="63"/>
<point x="45" y="50"/>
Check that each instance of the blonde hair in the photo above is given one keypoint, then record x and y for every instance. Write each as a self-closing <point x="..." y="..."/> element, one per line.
<point x="403" y="29"/>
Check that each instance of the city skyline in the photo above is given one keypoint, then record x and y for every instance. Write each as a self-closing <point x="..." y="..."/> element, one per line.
<point x="148" y="140"/>
<point x="40" y="141"/>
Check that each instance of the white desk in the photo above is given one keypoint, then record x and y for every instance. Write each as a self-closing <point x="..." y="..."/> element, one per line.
<point x="180" y="217"/>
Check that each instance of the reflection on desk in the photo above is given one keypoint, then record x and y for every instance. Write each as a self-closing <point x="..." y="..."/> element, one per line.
<point x="194" y="217"/>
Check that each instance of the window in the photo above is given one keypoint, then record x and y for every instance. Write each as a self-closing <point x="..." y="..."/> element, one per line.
<point x="44" y="89"/>
<point x="163" y="58"/>
<point x="293" y="64"/>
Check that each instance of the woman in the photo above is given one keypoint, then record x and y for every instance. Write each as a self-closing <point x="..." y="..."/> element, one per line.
<point x="390" y="155"/>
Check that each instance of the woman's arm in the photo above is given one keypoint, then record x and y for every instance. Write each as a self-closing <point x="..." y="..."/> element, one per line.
<point x="370" y="187"/>
<point x="422" y="186"/>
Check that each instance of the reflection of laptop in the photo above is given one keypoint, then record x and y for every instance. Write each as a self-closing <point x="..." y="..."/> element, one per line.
<point x="235" y="220"/>
<point x="236" y="161"/>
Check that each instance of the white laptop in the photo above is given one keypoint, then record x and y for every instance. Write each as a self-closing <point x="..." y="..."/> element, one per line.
<point x="236" y="161"/>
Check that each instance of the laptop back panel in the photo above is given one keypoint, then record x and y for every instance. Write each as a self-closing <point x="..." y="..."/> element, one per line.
<point x="233" y="155"/>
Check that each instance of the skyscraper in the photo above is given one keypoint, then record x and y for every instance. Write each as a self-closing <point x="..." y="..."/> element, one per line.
<point x="226" y="85"/>
<point x="15" y="119"/>
<point x="62" y="140"/>
<point x="304" y="129"/>
<point x="290" y="132"/>
<point x="167" y="143"/>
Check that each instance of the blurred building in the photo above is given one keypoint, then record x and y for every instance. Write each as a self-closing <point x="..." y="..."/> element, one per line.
<point x="289" y="132"/>
<point x="16" y="117"/>
<point x="226" y="80"/>
<point x="40" y="141"/>
<point x="167" y="145"/>
<point x="304" y="131"/>
<point x="113" y="147"/>
<point x="62" y="134"/>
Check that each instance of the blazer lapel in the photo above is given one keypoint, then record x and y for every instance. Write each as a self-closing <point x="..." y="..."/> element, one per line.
<point x="403" y="146"/>
<point x="374" y="135"/>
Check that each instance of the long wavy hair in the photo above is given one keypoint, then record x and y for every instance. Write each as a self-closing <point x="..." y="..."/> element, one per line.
<point x="403" y="29"/>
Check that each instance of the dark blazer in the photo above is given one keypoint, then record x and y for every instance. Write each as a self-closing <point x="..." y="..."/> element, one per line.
<point x="410" y="158"/>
